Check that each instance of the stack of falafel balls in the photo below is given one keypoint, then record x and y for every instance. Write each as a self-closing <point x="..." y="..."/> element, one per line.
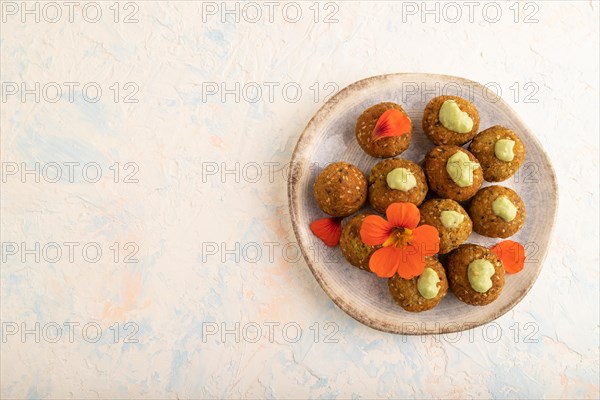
<point x="447" y="190"/>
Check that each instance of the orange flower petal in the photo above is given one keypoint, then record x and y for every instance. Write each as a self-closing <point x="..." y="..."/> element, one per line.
<point x="426" y="239"/>
<point x="329" y="230"/>
<point x="512" y="255"/>
<point x="385" y="261"/>
<point x="374" y="230"/>
<point x="393" y="122"/>
<point x="412" y="262"/>
<point x="403" y="215"/>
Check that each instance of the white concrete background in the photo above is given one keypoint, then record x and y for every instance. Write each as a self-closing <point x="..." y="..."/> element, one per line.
<point x="179" y="213"/>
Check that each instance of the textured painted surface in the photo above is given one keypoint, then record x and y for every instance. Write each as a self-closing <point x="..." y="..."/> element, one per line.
<point x="213" y="246"/>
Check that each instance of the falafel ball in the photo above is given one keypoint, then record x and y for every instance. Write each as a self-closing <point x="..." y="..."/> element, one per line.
<point x="475" y="274"/>
<point x="340" y="189"/>
<point x="396" y="180"/>
<point x="499" y="151"/>
<point x="353" y="249"/>
<point x="497" y="211"/>
<point x="450" y="219"/>
<point x="443" y="175"/>
<point x="435" y="128"/>
<point x="384" y="147"/>
<point x="409" y="293"/>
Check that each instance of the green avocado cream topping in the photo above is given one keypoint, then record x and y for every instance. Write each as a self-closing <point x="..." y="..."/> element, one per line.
<point x="401" y="179"/>
<point x="503" y="208"/>
<point x="454" y="119"/>
<point x="451" y="219"/>
<point x="503" y="149"/>
<point x="480" y="273"/>
<point x="427" y="284"/>
<point x="460" y="168"/>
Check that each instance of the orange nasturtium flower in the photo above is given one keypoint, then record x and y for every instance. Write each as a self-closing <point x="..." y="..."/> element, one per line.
<point x="405" y="244"/>
<point x="512" y="255"/>
<point x="393" y="122"/>
<point x="329" y="230"/>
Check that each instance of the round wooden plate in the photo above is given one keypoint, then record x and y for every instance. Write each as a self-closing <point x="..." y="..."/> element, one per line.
<point x="329" y="137"/>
